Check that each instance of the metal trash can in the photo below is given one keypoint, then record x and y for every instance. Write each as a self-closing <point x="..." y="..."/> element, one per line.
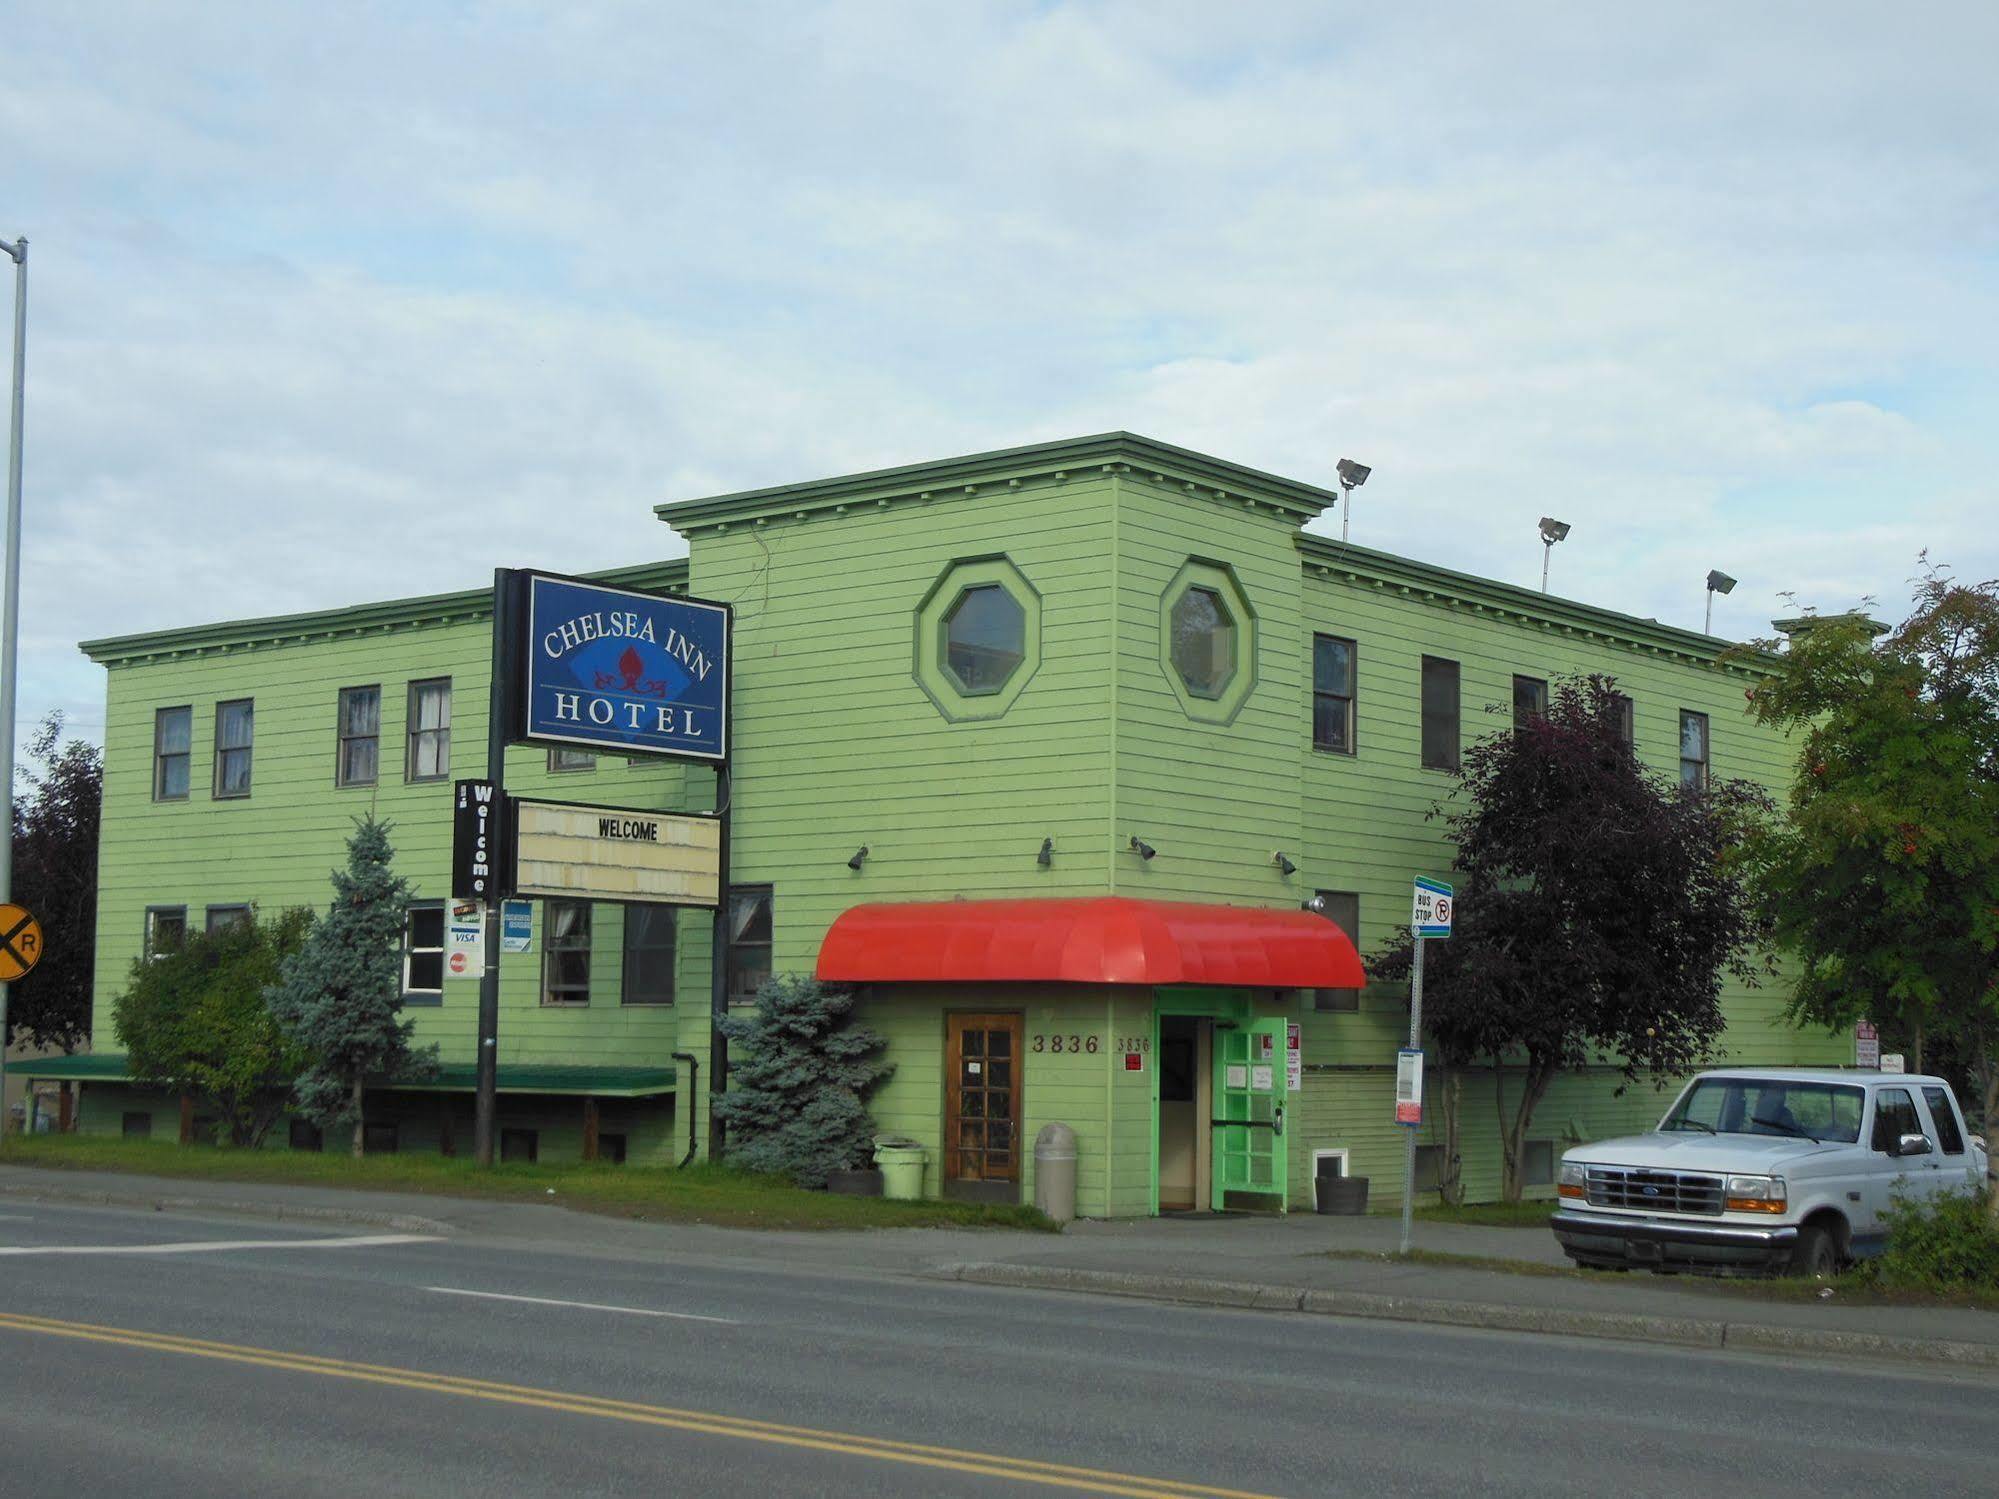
<point x="1055" y="1172"/>
<point x="901" y="1160"/>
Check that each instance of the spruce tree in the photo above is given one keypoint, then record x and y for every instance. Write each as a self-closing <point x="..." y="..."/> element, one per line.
<point x="797" y="1099"/>
<point x="339" y="998"/>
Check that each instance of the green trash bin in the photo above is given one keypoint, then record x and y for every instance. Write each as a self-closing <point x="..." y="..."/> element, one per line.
<point x="901" y="1161"/>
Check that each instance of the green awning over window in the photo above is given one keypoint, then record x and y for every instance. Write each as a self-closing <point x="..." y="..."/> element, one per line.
<point x="452" y="1077"/>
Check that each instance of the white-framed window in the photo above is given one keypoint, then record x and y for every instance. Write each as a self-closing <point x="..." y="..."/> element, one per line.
<point x="1693" y="750"/>
<point x="166" y="929"/>
<point x="565" y="952"/>
<point x="423" y="953"/>
<point x="429" y="730"/>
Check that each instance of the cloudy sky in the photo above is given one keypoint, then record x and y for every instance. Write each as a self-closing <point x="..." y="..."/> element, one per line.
<point x="331" y="304"/>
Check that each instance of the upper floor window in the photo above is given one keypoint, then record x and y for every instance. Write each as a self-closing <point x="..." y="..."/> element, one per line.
<point x="749" y="941"/>
<point x="222" y="918"/>
<point x="360" y="736"/>
<point x="985" y="637"/>
<point x="1203" y="641"/>
<point x="173" y="744"/>
<point x="649" y="953"/>
<point x="1693" y="750"/>
<point x="1625" y="723"/>
<point x="429" y="754"/>
<point x="1530" y="699"/>
<point x="234" y="731"/>
<point x="571" y="759"/>
<point x="166" y="929"/>
<point x="565" y="964"/>
<point x="1342" y="908"/>
<point x="1440" y="713"/>
<point x="1332" y="694"/>
<point x="423" y="953"/>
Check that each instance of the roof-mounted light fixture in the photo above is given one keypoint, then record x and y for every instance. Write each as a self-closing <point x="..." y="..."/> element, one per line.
<point x="1352" y="476"/>
<point x="1552" y="531"/>
<point x="1717" y="582"/>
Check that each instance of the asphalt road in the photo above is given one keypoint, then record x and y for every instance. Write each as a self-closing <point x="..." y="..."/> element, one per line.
<point x="351" y="1362"/>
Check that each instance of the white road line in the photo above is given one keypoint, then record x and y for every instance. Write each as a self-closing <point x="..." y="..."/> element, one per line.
<point x="584" y="1306"/>
<point x="217" y="1246"/>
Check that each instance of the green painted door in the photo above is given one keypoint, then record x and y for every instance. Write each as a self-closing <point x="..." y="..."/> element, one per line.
<point x="1249" y="1110"/>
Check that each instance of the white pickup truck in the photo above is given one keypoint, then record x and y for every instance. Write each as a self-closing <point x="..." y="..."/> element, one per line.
<point x="1766" y="1169"/>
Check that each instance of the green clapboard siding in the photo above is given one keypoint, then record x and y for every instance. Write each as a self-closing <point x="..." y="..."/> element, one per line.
<point x="840" y="742"/>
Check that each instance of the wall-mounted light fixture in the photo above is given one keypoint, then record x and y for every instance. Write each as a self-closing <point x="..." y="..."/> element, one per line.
<point x="1284" y="866"/>
<point x="860" y="857"/>
<point x="1143" y="849"/>
<point x="1047" y="854"/>
<point x="1316" y="905"/>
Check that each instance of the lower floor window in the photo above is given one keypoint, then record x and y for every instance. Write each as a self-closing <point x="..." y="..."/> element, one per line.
<point x="649" y="952"/>
<point x="423" y="953"/>
<point x="1537" y="1164"/>
<point x="611" y="1148"/>
<point x="222" y="918"/>
<point x="749" y="941"/>
<point x="565" y="962"/>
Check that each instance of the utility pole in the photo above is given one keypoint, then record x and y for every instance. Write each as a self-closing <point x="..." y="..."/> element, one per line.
<point x="10" y="612"/>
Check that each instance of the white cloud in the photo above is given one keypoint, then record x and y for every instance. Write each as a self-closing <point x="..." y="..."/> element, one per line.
<point x="315" y="297"/>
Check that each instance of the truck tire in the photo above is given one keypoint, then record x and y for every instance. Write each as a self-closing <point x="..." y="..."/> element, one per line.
<point x="1816" y="1254"/>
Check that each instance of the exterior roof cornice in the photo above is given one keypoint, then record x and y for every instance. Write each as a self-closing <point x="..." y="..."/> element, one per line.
<point x="463" y="607"/>
<point x="1326" y="556"/>
<point x="1075" y="457"/>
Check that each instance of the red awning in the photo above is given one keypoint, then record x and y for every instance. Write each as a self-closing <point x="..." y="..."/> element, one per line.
<point x="1109" y="939"/>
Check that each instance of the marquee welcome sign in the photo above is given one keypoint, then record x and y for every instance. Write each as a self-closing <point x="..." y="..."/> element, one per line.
<point x="620" y="671"/>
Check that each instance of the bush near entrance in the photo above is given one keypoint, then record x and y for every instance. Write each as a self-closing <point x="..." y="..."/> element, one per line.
<point x="797" y="1099"/>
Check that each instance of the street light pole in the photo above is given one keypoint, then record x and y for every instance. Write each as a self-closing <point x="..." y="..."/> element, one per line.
<point x="10" y="613"/>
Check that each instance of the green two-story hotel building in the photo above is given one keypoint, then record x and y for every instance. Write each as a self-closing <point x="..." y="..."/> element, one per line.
<point x="1046" y="749"/>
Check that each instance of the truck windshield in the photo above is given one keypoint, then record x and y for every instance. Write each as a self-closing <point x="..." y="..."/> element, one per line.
<point x="1769" y="1106"/>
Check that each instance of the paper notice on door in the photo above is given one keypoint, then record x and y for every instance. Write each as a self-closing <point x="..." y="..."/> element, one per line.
<point x="1294" y="1058"/>
<point x="1235" y="1075"/>
<point x="973" y="1068"/>
<point x="1266" y="1045"/>
<point x="1261" y="1078"/>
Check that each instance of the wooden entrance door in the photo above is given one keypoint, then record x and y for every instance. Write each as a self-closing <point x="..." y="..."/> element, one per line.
<point x="982" y="1098"/>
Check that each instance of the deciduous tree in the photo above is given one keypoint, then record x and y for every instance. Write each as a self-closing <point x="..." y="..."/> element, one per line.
<point x="193" y="1021"/>
<point x="1884" y="877"/>
<point x="1598" y="911"/>
<point x="55" y="876"/>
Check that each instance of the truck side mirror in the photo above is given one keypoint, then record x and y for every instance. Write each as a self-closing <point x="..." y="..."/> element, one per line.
<point x="1913" y="1145"/>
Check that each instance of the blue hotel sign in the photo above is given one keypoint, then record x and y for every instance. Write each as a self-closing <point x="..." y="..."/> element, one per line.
<point x="621" y="672"/>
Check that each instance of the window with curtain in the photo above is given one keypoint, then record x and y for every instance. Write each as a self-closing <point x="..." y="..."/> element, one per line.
<point x="1530" y="699"/>
<point x="359" y="752"/>
<point x="235" y="731"/>
<point x="1693" y="750"/>
<point x="429" y="755"/>
<point x="565" y="960"/>
<point x="749" y="941"/>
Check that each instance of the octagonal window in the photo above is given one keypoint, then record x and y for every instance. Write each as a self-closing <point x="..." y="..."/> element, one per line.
<point x="1203" y="641"/>
<point x="985" y="637"/>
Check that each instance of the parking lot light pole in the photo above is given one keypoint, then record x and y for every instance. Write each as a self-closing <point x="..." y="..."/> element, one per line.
<point x="10" y="612"/>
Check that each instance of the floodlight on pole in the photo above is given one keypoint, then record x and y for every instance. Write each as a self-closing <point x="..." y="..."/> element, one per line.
<point x="1352" y="476"/>
<point x="1717" y="582"/>
<point x="1552" y="531"/>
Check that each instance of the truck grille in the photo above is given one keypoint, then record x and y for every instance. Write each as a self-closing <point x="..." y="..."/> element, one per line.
<point x="1654" y="1191"/>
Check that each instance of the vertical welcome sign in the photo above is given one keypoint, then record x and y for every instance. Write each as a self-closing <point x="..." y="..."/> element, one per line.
<point x="619" y="671"/>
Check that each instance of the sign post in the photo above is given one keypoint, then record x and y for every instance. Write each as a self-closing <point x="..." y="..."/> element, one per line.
<point x="579" y="664"/>
<point x="1429" y="918"/>
<point x="20" y="951"/>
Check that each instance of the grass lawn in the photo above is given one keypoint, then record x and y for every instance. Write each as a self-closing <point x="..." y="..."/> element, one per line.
<point x="699" y="1194"/>
<point x="1492" y="1214"/>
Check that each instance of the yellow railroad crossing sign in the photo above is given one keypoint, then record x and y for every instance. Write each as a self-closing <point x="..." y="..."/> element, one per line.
<point x="20" y="942"/>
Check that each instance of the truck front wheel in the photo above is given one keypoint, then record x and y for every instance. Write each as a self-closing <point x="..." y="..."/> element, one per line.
<point x="1816" y="1254"/>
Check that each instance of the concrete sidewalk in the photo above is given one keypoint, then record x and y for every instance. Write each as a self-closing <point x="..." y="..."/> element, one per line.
<point x="1297" y="1264"/>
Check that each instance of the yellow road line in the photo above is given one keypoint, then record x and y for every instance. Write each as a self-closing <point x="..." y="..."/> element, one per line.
<point x="708" y="1423"/>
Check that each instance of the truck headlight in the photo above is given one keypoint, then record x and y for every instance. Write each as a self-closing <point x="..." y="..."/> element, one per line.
<point x="1757" y="1194"/>
<point x="1573" y="1181"/>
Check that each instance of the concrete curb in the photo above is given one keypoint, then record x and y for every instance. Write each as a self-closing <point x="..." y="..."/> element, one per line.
<point x="1684" y="1332"/>
<point x="405" y="1223"/>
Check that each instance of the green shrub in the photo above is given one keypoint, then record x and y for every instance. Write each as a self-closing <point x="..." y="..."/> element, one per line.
<point x="1940" y="1243"/>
